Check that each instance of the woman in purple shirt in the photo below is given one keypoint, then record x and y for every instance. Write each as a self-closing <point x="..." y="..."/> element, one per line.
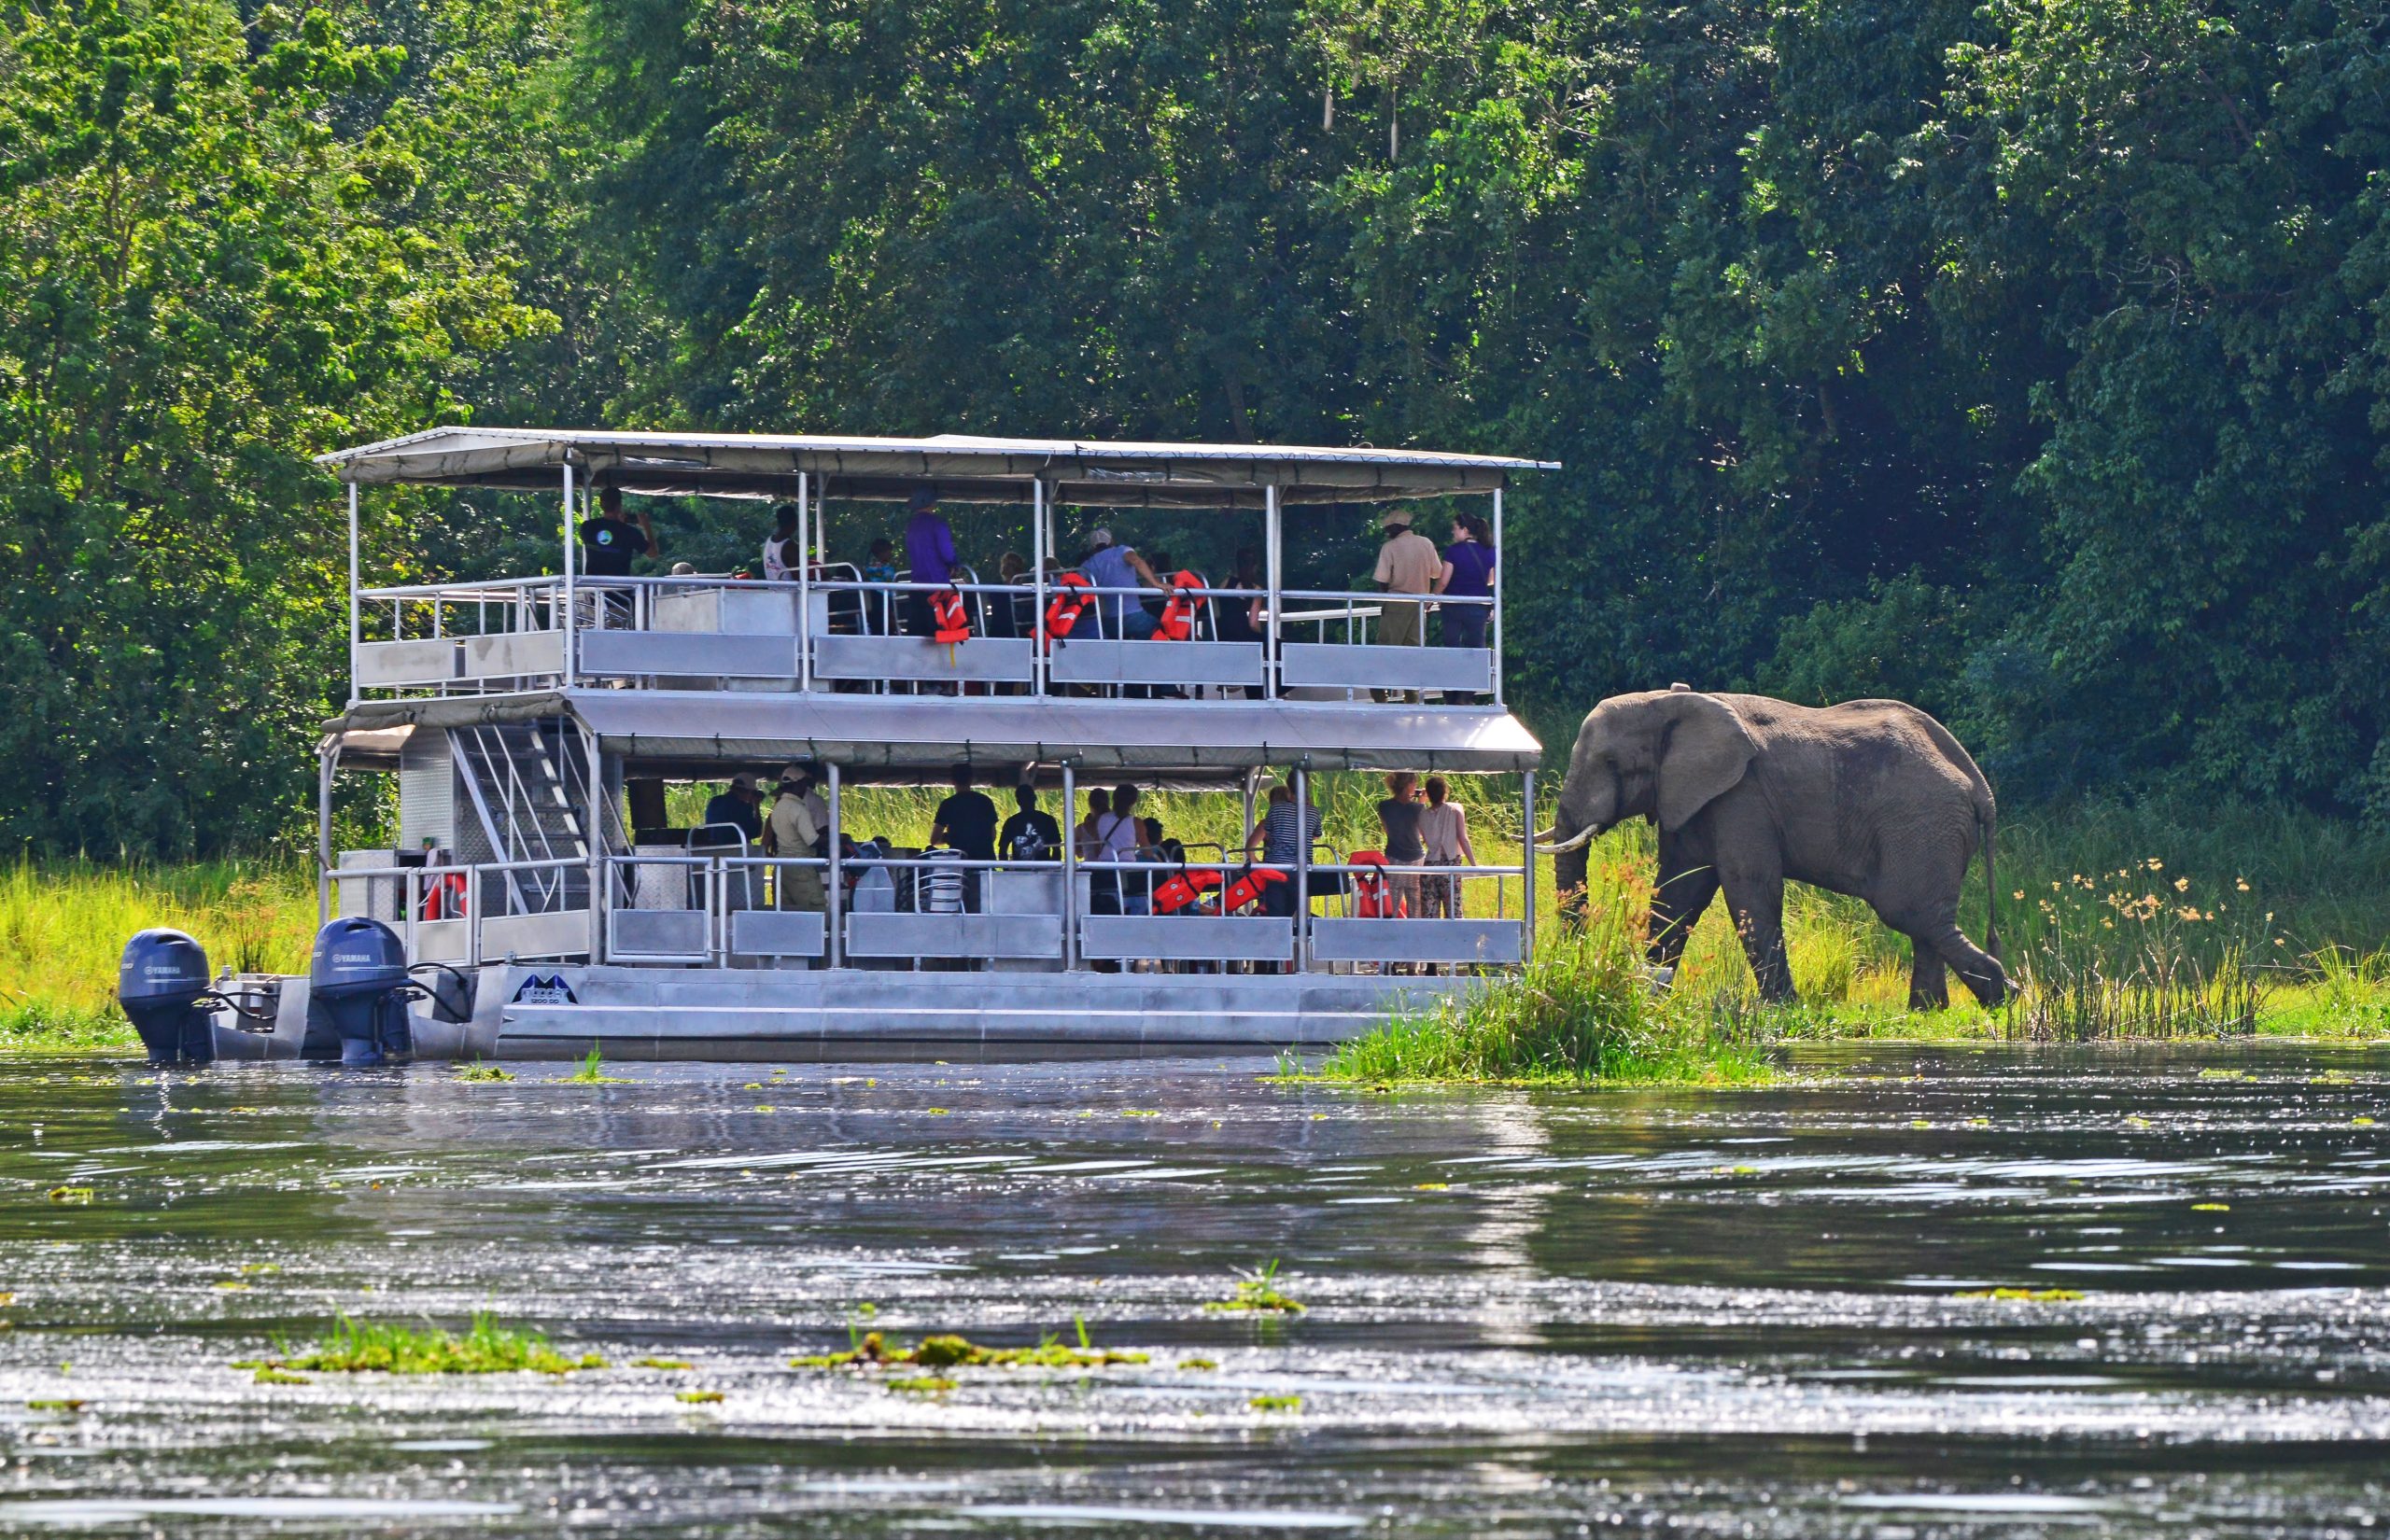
<point x="929" y="551"/>
<point x="1468" y="574"/>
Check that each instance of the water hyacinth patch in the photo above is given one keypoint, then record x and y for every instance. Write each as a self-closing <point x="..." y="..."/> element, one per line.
<point x="357" y="1347"/>
<point x="1257" y="1292"/>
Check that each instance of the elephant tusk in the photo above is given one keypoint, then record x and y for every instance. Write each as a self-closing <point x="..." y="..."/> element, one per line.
<point x="1548" y="840"/>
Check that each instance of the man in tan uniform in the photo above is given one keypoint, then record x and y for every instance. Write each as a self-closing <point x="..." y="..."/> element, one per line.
<point x="1408" y="563"/>
<point x="793" y="833"/>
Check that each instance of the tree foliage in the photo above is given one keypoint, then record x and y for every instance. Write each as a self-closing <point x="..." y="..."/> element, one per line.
<point x="2030" y="361"/>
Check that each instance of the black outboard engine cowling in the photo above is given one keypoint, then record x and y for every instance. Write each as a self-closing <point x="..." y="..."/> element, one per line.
<point x="357" y="987"/>
<point x="161" y="983"/>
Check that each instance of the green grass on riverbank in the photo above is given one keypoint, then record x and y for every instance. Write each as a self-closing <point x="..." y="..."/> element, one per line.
<point x="2120" y="922"/>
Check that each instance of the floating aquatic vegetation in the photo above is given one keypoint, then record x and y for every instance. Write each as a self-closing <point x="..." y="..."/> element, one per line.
<point x="937" y="1111"/>
<point x="699" y="1397"/>
<point x="765" y="1107"/>
<point x="231" y="1285"/>
<point x="950" y="1351"/>
<point x="478" y="1073"/>
<point x="1257" y="1292"/>
<point x="272" y="1376"/>
<point x="56" y="1404"/>
<point x="1734" y="1170"/>
<point x="1197" y="1365"/>
<point x="1141" y="1112"/>
<point x="2035" y="1296"/>
<point x="71" y="1195"/>
<point x="924" y="1384"/>
<point x="2360" y="1123"/>
<point x="388" y="1347"/>
<point x="1431" y="1186"/>
<point x="2224" y="1075"/>
<point x="254" y="1268"/>
<point x="2211" y="1207"/>
<point x="1277" y="1403"/>
<point x="662" y="1364"/>
<point x="593" y="1072"/>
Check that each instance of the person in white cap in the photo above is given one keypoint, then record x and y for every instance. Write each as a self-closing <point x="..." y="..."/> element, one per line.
<point x="1408" y="563"/>
<point x="1110" y="566"/>
<point x="793" y="833"/>
<point x="738" y="806"/>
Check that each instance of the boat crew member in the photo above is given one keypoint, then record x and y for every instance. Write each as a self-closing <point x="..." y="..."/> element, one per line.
<point x="1030" y="835"/>
<point x="1110" y="566"/>
<point x="792" y="834"/>
<point x="929" y="550"/>
<point x="608" y="544"/>
<point x="781" y="553"/>
<point x="966" y="822"/>
<point x="741" y="805"/>
<point x="1408" y="563"/>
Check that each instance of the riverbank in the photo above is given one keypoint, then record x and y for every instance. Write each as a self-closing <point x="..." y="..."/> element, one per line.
<point x="2121" y="923"/>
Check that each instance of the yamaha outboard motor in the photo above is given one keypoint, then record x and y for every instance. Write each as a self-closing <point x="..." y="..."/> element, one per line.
<point x="162" y="984"/>
<point x="357" y="987"/>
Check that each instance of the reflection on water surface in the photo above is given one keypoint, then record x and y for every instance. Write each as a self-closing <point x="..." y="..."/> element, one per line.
<point x="1530" y="1313"/>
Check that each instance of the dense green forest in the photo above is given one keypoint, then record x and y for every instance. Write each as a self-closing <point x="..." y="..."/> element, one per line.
<point x="2028" y="361"/>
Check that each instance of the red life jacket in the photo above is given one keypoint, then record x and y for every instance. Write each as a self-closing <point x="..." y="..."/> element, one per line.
<point x="1177" y="622"/>
<point x="1246" y="888"/>
<point x="945" y="611"/>
<point x="1070" y="602"/>
<point x="1371" y="898"/>
<point x="1180" y="888"/>
<point x="443" y="897"/>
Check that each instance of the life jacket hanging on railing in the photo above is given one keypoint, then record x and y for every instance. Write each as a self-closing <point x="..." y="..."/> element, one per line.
<point x="1177" y="622"/>
<point x="1373" y="899"/>
<point x="1071" y="599"/>
<point x="443" y="896"/>
<point x="950" y="625"/>
<point x="1249" y="888"/>
<point x="1183" y="888"/>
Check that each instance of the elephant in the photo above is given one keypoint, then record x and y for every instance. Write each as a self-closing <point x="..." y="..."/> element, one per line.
<point x="1872" y="798"/>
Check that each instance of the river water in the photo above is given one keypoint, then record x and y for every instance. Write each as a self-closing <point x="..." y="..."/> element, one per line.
<point x="1734" y="1314"/>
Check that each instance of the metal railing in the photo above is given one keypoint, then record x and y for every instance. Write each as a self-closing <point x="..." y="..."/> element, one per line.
<point x="830" y="632"/>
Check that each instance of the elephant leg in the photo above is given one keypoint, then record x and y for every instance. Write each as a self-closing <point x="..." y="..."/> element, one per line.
<point x="1755" y="898"/>
<point x="1678" y="904"/>
<point x="1937" y="935"/>
<point x="1929" y="984"/>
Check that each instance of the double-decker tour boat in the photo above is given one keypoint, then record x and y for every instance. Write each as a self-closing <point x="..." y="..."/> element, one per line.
<point x="541" y="899"/>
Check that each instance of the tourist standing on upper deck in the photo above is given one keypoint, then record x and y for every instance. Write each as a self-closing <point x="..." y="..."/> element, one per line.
<point x="1468" y="574"/>
<point x="781" y="556"/>
<point x="608" y="544"/>
<point x="929" y="551"/>
<point x="1118" y="567"/>
<point x="1408" y="563"/>
<point x="1030" y="835"/>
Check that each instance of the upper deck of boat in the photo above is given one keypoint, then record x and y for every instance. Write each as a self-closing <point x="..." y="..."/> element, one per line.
<point x="685" y="667"/>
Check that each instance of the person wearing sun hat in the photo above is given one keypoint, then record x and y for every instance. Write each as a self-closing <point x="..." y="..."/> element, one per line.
<point x="1408" y="563"/>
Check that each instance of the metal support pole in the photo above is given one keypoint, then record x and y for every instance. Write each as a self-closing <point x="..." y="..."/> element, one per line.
<point x="1037" y="661"/>
<point x="1070" y="867"/>
<point x="1526" y="860"/>
<point x="1272" y="537"/>
<point x="837" y="905"/>
<point x="567" y="576"/>
<point x="1303" y="869"/>
<point x="354" y="632"/>
<point x="1494" y="622"/>
<point x="803" y="585"/>
<point x="596" y="836"/>
<point x="326" y="761"/>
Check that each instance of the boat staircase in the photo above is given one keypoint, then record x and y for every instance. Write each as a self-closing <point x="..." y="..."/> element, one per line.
<point x="529" y="791"/>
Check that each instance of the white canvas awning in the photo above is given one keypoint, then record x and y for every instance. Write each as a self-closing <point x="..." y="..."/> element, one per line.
<point x="958" y="468"/>
<point x="905" y="736"/>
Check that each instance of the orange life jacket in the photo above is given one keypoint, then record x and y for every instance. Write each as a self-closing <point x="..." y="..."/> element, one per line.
<point x="1071" y="600"/>
<point x="1371" y="898"/>
<point x="1246" y="888"/>
<point x="1177" y="622"/>
<point x="1180" y="888"/>
<point x="945" y="611"/>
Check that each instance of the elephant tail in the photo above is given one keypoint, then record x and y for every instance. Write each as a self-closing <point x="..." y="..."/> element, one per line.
<point x="1991" y="889"/>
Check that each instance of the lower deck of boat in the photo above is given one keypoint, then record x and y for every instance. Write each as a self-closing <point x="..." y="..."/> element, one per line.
<point x="561" y="1012"/>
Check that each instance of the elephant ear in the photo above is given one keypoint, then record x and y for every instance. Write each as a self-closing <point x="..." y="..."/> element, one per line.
<point x="1706" y="750"/>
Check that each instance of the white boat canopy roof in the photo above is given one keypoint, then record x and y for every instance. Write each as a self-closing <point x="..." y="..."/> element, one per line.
<point x="913" y="737"/>
<point x="958" y="467"/>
